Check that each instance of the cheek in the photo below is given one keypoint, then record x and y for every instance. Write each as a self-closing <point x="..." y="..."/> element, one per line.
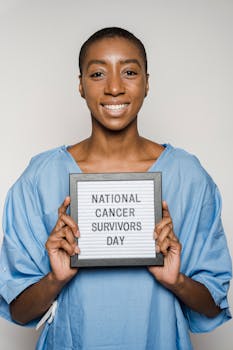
<point x="90" y="96"/>
<point x="93" y="93"/>
<point x="138" y="90"/>
<point x="140" y="94"/>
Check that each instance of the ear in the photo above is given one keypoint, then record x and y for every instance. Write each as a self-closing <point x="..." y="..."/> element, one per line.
<point x="81" y="91"/>
<point x="147" y="84"/>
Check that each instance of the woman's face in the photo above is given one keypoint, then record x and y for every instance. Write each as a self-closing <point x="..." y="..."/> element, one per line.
<point x="114" y="82"/>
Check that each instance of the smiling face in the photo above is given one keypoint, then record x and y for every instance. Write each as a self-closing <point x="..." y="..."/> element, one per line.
<point x="113" y="82"/>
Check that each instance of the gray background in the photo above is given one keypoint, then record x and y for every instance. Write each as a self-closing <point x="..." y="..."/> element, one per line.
<point x="190" y="103"/>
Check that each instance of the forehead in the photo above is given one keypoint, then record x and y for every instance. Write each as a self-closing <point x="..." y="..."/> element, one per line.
<point x="109" y="48"/>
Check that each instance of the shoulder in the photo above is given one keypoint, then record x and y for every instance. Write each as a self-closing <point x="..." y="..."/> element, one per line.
<point x="43" y="159"/>
<point x="45" y="178"/>
<point x="186" y="162"/>
<point x="181" y="156"/>
<point x="43" y="163"/>
<point x="187" y="168"/>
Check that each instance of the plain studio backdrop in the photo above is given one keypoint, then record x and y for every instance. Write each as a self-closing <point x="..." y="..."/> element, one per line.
<point x="190" y="103"/>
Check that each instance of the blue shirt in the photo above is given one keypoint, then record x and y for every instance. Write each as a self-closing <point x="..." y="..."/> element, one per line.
<point x="116" y="308"/>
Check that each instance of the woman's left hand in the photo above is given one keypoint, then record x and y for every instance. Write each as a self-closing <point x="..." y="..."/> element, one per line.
<point x="168" y="244"/>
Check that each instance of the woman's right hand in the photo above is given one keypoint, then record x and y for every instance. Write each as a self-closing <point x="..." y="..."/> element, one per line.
<point x="61" y="245"/>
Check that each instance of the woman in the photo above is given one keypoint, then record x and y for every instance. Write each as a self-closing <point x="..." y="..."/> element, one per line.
<point x="115" y="308"/>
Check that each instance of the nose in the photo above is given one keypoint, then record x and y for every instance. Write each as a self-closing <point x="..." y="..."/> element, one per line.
<point x="114" y="85"/>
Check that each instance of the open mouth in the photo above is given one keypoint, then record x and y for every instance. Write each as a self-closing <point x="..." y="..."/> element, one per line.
<point x="116" y="107"/>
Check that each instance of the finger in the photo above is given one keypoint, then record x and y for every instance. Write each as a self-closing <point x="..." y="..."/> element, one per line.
<point x="71" y="224"/>
<point x="163" y="246"/>
<point x="165" y="209"/>
<point x="168" y="245"/>
<point x="54" y="245"/>
<point x="166" y="231"/>
<point x="173" y="236"/>
<point x="164" y="222"/>
<point x="62" y="209"/>
<point x="69" y="236"/>
<point x="70" y="249"/>
<point x="163" y="234"/>
<point x="64" y="233"/>
<point x="56" y="241"/>
<point x="66" y="220"/>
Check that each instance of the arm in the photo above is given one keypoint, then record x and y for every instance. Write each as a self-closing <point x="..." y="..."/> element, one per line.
<point x="193" y="294"/>
<point x="34" y="301"/>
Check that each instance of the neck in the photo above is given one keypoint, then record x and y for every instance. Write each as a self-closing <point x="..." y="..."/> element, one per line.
<point x="115" y="144"/>
<point x="115" y="151"/>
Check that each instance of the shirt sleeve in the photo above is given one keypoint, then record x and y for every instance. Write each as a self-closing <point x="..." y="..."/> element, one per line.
<point x="210" y="262"/>
<point x="23" y="259"/>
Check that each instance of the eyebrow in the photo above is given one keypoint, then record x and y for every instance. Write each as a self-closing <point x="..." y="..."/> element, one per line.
<point x="95" y="62"/>
<point x="130" y="60"/>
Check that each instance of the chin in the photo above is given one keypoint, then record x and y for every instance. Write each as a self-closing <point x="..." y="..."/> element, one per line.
<point x="117" y="127"/>
<point x="117" y="124"/>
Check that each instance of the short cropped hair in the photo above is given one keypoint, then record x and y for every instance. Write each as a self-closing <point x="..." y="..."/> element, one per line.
<point x="111" y="32"/>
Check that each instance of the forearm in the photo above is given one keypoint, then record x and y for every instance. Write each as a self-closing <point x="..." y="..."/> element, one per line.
<point x="34" y="301"/>
<point x="195" y="295"/>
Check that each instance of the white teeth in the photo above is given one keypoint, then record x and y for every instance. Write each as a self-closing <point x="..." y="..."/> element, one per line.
<point x="115" y="107"/>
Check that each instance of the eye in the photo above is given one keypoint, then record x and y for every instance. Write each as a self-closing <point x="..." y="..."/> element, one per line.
<point x="130" y="73"/>
<point x="96" y="75"/>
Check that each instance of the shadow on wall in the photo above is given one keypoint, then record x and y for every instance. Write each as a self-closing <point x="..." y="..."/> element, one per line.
<point x="11" y="334"/>
<point x="209" y="341"/>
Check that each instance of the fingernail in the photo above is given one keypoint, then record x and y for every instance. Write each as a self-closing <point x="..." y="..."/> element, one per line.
<point x="157" y="249"/>
<point x="77" y="250"/>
